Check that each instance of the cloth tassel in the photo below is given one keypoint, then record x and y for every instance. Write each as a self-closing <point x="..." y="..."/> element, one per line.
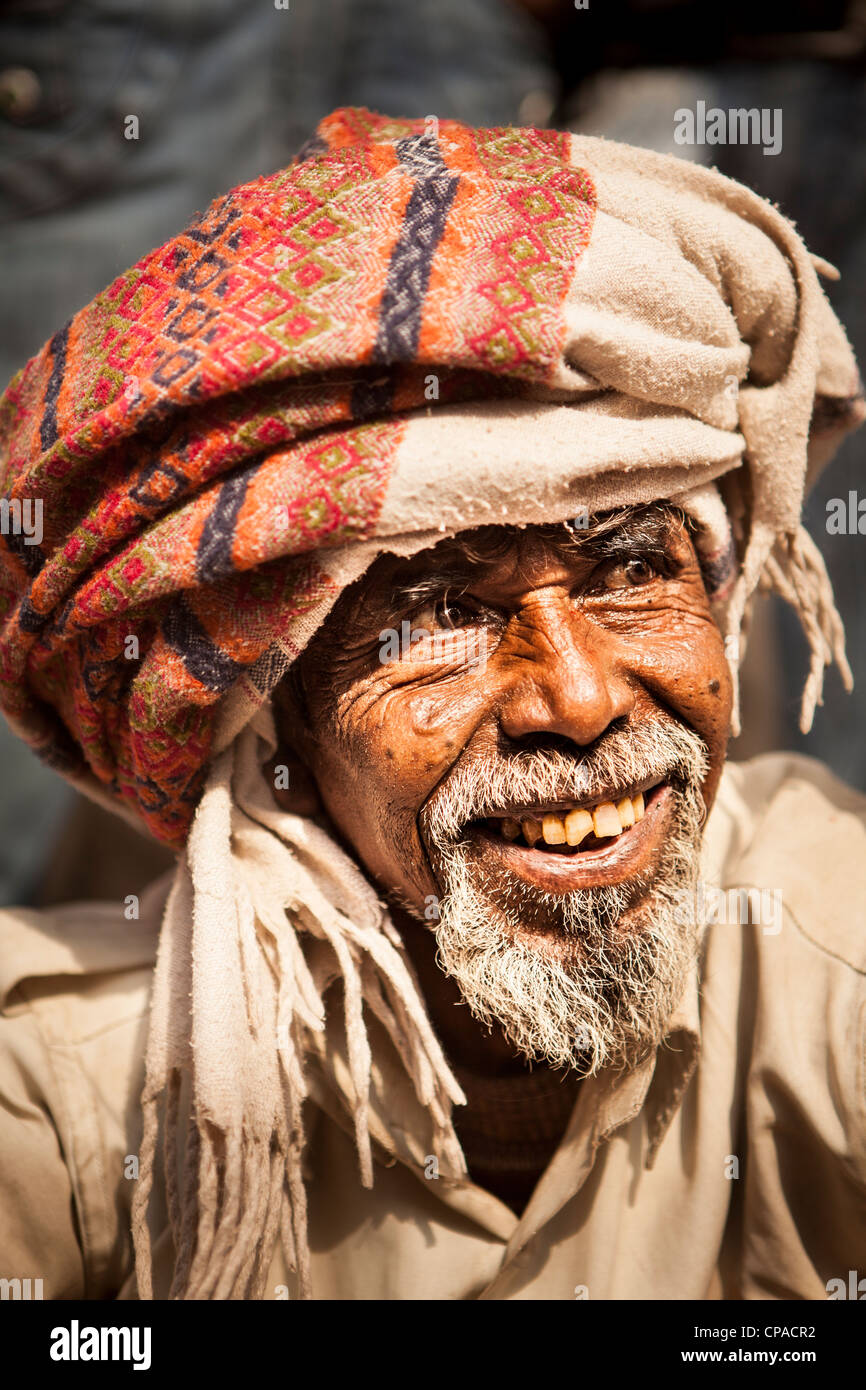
<point x="757" y="551"/>
<point x="791" y="565"/>
<point x="251" y="942"/>
<point x="796" y="571"/>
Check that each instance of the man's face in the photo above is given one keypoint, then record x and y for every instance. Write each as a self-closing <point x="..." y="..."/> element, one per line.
<point x="473" y="710"/>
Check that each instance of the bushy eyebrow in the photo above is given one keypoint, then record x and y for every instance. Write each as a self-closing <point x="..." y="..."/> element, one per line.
<point x="434" y="585"/>
<point x="644" y="531"/>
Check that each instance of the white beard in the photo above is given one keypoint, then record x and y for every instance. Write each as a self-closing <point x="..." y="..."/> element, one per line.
<point x="604" y="1001"/>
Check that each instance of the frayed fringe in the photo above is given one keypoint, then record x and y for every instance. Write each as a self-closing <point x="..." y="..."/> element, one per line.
<point x="236" y="1006"/>
<point x="796" y="571"/>
<point x="792" y="566"/>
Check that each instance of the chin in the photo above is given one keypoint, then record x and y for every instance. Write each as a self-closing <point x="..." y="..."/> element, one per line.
<point x="583" y="979"/>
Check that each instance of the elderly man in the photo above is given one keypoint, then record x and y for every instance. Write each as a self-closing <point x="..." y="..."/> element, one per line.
<point x="400" y="520"/>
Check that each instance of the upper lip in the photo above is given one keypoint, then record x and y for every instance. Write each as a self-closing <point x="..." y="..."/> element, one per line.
<point x="537" y="809"/>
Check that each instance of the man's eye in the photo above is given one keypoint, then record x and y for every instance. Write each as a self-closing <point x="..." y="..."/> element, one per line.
<point x="629" y="574"/>
<point x="444" y="612"/>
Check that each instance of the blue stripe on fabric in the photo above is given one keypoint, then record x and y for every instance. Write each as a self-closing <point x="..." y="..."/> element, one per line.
<point x="214" y="555"/>
<point x="200" y="655"/>
<point x="424" y="222"/>
<point x="48" y="425"/>
<point x="31" y="556"/>
<point x="402" y="305"/>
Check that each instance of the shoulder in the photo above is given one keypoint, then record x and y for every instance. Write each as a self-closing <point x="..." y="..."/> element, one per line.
<point x="79" y="970"/>
<point x="78" y="942"/>
<point x="74" y="996"/>
<point x="787" y="826"/>
<point x="785" y="956"/>
<point x="784" y="1001"/>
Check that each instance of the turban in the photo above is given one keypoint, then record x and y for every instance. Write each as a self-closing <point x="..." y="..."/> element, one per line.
<point x="415" y="329"/>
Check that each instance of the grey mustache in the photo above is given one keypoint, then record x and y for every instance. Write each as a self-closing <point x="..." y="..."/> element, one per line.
<point x="482" y="787"/>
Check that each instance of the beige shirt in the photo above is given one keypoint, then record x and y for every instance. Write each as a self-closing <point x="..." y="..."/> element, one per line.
<point x="731" y="1164"/>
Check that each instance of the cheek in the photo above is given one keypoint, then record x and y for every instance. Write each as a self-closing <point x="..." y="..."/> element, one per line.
<point x="437" y="725"/>
<point x="684" y="666"/>
<point x="379" y="760"/>
<point x="410" y="736"/>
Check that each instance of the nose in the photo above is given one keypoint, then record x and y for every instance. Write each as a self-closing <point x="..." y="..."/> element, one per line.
<point x="566" y="679"/>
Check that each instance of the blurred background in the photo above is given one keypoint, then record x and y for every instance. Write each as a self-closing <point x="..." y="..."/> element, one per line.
<point x="224" y="90"/>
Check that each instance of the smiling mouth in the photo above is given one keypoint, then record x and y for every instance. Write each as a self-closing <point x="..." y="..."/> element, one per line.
<point x="577" y="829"/>
<point x="563" y="846"/>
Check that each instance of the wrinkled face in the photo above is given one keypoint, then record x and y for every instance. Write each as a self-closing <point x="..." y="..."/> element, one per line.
<point x="518" y="734"/>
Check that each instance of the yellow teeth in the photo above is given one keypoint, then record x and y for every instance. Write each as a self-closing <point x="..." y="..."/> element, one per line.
<point x="578" y="824"/>
<point x="604" y="820"/>
<point x="553" y="830"/>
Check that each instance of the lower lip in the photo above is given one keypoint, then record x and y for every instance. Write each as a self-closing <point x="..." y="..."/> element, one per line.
<point x="631" y="853"/>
